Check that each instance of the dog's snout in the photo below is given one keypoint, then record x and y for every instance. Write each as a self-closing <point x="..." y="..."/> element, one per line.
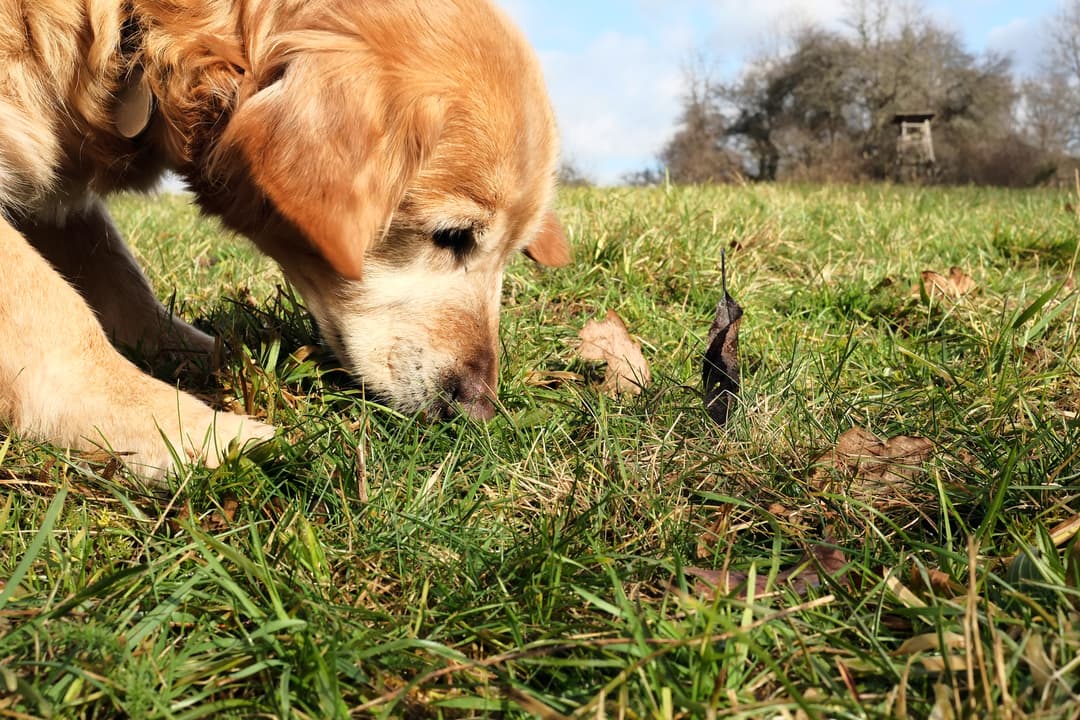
<point x="472" y="389"/>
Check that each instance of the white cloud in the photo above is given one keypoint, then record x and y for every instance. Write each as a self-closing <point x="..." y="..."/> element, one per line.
<point x="616" y="102"/>
<point x="1018" y="40"/>
<point x="748" y="25"/>
<point x="617" y="97"/>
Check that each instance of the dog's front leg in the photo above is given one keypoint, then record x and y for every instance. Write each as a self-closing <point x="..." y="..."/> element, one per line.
<point x="89" y="251"/>
<point x="62" y="381"/>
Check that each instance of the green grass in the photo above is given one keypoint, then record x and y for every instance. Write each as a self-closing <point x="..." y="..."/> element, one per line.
<point x="380" y="566"/>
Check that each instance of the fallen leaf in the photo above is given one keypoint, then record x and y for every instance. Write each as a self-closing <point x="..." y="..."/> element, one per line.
<point x="869" y="465"/>
<point x="609" y="341"/>
<point x="939" y="582"/>
<point x="720" y="371"/>
<point x="934" y="285"/>
<point x="936" y="652"/>
<point x="819" y="562"/>
<point x="1066" y="530"/>
<point x="551" y="378"/>
<point x="220" y="520"/>
<point x="714" y="534"/>
<point x="217" y="520"/>
<point x="931" y="642"/>
<point x="960" y="281"/>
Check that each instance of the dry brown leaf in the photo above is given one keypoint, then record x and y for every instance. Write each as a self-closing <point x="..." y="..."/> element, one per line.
<point x="869" y="464"/>
<point x="609" y="341"/>
<point x="939" y="582"/>
<point x="217" y="520"/>
<point x="807" y="573"/>
<point x="551" y="378"/>
<point x="931" y="642"/>
<point x="936" y="652"/>
<point x="714" y="534"/>
<point x="938" y="286"/>
<point x="960" y="280"/>
<point x="1066" y="530"/>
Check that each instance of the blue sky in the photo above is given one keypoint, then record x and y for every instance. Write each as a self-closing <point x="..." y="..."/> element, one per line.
<point x="614" y="67"/>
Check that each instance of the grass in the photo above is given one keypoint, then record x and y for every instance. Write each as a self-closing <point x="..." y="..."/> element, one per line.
<point x="384" y="567"/>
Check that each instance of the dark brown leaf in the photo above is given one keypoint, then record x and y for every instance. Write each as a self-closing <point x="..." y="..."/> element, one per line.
<point x="720" y="371"/>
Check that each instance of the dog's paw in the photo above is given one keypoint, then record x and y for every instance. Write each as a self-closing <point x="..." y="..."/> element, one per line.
<point x="210" y="439"/>
<point x="196" y="435"/>
<point x="227" y="432"/>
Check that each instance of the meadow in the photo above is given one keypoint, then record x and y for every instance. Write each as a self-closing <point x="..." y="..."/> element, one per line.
<point x="593" y="556"/>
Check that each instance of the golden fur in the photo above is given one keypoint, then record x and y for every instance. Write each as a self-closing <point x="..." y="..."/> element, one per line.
<point x="391" y="156"/>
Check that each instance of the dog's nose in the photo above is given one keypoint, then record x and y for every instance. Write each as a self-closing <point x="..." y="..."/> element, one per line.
<point x="472" y="390"/>
<point x="476" y="404"/>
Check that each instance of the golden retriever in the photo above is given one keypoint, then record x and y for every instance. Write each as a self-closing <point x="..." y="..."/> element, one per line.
<point x="390" y="155"/>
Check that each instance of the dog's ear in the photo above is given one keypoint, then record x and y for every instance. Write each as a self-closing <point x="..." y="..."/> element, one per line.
<point x="550" y="247"/>
<point x="334" y="153"/>
<point x="134" y="105"/>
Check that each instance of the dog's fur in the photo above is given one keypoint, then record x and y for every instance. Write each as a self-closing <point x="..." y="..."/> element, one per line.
<point x="391" y="155"/>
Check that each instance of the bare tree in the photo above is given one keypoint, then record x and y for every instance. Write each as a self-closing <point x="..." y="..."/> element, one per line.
<point x="570" y="175"/>
<point x="1049" y="113"/>
<point x="1064" y="49"/>
<point x="697" y="152"/>
<point x="1051" y="100"/>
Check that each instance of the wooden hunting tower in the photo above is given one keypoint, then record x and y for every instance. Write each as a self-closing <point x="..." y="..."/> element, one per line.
<point x="914" y="145"/>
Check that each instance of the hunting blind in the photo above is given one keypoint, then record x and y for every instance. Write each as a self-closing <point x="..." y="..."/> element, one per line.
<point x="915" y="144"/>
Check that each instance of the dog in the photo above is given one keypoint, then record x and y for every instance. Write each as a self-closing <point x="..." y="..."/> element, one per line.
<point x="390" y="156"/>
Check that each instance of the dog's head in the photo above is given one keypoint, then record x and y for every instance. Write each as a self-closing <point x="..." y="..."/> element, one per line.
<point x="403" y="153"/>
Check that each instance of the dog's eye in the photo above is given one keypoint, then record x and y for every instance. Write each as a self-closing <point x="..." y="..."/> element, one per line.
<point x="460" y="241"/>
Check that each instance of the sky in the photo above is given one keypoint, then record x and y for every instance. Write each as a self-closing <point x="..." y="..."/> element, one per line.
<point x="615" y="67"/>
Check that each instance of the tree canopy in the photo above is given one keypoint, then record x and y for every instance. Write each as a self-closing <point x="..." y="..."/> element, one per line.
<point x="823" y="108"/>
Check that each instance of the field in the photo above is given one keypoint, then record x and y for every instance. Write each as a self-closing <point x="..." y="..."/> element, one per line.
<point x="563" y="559"/>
